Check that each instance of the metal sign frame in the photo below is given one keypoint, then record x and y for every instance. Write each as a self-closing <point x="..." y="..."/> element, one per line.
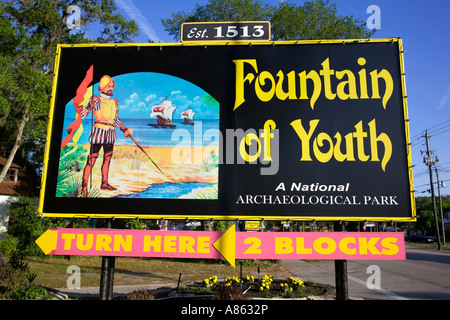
<point x="93" y="207"/>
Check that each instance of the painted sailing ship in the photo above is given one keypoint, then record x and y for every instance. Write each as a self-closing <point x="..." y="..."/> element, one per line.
<point x="188" y="116"/>
<point x="163" y="114"/>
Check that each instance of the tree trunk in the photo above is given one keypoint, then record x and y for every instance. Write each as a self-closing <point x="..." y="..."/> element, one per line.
<point x="207" y="225"/>
<point x="17" y="143"/>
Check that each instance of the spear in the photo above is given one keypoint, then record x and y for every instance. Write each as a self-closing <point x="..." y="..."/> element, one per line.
<point x="142" y="149"/>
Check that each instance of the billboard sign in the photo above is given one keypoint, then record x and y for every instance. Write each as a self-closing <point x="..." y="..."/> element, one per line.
<point x="269" y="130"/>
<point x="229" y="245"/>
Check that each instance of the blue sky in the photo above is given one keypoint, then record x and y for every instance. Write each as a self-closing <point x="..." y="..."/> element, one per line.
<point x="423" y="26"/>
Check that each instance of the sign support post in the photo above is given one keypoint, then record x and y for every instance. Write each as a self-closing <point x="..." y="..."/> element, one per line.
<point x="340" y="267"/>
<point x="107" y="273"/>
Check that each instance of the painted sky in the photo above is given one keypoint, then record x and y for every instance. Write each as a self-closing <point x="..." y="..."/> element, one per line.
<point x="138" y="92"/>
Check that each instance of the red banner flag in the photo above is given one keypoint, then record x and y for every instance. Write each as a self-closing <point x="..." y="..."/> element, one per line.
<point x="81" y="91"/>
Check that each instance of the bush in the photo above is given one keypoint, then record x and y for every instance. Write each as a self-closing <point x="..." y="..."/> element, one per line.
<point x="28" y="292"/>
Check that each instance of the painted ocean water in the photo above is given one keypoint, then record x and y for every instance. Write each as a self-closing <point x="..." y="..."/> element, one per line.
<point x="201" y="133"/>
<point x="169" y="190"/>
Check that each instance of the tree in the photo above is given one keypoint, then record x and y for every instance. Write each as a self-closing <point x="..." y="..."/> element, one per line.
<point x="317" y="19"/>
<point x="29" y="33"/>
<point x="218" y="10"/>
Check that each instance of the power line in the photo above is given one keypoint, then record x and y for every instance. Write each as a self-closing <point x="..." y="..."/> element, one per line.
<point x="430" y="131"/>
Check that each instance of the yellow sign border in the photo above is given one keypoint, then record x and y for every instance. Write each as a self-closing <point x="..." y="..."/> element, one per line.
<point x="231" y="217"/>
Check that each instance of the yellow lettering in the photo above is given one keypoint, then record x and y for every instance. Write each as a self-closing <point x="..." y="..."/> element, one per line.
<point x="283" y="245"/>
<point x="317" y="85"/>
<point x="203" y="245"/>
<point x="305" y="137"/>
<point x="326" y="72"/>
<point x="318" y="142"/>
<point x="68" y="237"/>
<point x="374" y="139"/>
<point x="262" y="95"/>
<point x="350" y="83"/>
<point x="89" y="242"/>
<point x="126" y="243"/>
<point x="366" y="245"/>
<point x="390" y="246"/>
<point x="102" y="242"/>
<point x="330" y="245"/>
<point x="349" y="156"/>
<point x="362" y="79"/>
<point x="325" y="154"/>
<point x="301" y="247"/>
<point x="241" y="79"/>
<point x="266" y="85"/>
<point x="170" y="243"/>
<point x="267" y="136"/>
<point x="386" y="76"/>
<point x="149" y="243"/>
<point x="291" y="94"/>
<point x="343" y="245"/>
<point x="359" y="134"/>
<point x="247" y="141"/>
<point x="186" y="244"/>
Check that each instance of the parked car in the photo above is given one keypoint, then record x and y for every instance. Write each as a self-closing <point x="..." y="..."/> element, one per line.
<point x="421" y="238"/>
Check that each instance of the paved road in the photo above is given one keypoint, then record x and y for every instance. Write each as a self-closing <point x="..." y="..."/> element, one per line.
<point x="424" y="275"/>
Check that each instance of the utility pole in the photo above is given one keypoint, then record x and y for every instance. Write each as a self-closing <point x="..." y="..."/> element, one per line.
<point x="429" y="161"/>
<point x="340" y="269"/>
<point x="440" y="205"/>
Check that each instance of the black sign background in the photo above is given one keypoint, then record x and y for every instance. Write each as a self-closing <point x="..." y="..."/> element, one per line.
<point x="212" y="68"/>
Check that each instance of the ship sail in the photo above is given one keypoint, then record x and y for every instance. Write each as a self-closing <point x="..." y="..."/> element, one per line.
<point x="188" y="114"/>
<point x="165" y="110"/>
<point x="163" y="113"/>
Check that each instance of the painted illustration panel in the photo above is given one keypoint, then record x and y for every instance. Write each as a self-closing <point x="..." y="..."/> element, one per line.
<point x="139" y="135"/>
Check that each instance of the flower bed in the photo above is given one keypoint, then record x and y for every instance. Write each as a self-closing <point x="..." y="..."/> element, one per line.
<point x="235" y="288"/>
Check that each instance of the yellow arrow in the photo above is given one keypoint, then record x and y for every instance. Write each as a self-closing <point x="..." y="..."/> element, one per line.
<point x="47" y="241"/>
<point x="226" y="245"/>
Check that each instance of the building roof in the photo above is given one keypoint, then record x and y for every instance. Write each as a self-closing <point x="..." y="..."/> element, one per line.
<point x="27" y="183"/>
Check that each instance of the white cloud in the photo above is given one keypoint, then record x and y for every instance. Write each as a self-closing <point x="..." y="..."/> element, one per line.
<point x="444" y="99"/>
<point x="150" y="97"/>
<point x="136" y="14"/>
<point x="133" y="104"/>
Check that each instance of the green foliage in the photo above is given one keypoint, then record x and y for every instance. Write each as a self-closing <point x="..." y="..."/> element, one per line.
<point x="425" y="213"/>
<point x="317" y="19"/>
<point x="28" y="292"/>
<point x="24" y="228"/>
<point x="29" y="33"/>
<point x="16" y="281"/>
<point x="222" y="225"/>
<point x="218" y="10"/>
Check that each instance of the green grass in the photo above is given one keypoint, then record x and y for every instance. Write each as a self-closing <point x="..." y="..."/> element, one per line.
<point x="51" y="271"/>
<point x="434" y="245"/>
